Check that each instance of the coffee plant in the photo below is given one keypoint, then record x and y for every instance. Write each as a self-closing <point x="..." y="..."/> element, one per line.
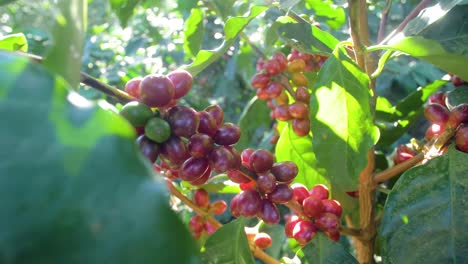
<point x="233" y="131"/>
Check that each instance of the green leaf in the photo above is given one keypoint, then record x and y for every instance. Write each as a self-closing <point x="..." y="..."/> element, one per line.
<point x="124" y="9"/>
<point x="68" y="38"/>
<point x="14" y="42"/>
<point x="254" y="123"/>
<point x="218" y="184"/>
<point x="73" y="186"/>
<point x="307" y="38"/>
<point x="228" y="245"/>
<point x="288" y="4"/>
<point x="224" y="8"/>
<point x="193" y="33"/>
<point x="333" y="15"/>
<point x="424" y="219"/>
<point x="232" y="29"/>
<point x="430" y="51"/>
<point x="457" y="96"/>
<point x="322" y="250"/>
<point x="394" y="121"/>
<point x="341" y="122"/>
<point x="4" y="2"/>
<point x="291" y="147"/>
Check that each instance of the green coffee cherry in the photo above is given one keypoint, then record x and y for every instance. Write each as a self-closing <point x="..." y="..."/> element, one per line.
<point x="158" y="129"/>
<point x="136" y="113"/>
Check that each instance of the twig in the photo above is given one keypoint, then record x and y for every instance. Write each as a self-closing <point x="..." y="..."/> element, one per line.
<point x="383" y="20"/>
<point x="120" y="95"/>
<point x="407" y="19"/>
<point x="257" y="252"/>
<point x="397" y="169"/>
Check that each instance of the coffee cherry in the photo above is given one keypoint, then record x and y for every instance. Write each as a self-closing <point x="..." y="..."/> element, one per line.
<point x="298" y="110"/>
<point x="434" y="130"/>
<point x="209" y="228"/>
<point x="148" y="148"/>
<point x="203" y="179"/>
<point x="260" y="81"/>
<point x="284" y="171"/>
<point x="196" y="224"/>
<point x="282" y="99"/>
<point x="282" y="113"/>
<point x="245" y="157"/>
<point x="136" y="113"/>
<point x="263" y="94"/>
<point x="249" y="203"/>
<point x="291" y="221"/>
<point x="274" y="89"/>
<point x="262" y="240"/>
<point x="266" y="182"/>
<point x="183" y="120"/>
<point x="461" y="138"/>
<point x="403" y="153"/>
<point x="175" y="150"/>
<point x="222" y="159"/>
<point x="234" y="206"/>
<point x="272" y="67"/>
<point x="132" y="87"/>
<point x="438" y="98"/>
<point x="304" y="231"/>
<point x="182" y="81"/>
<point x="201" y="198"/>
<point x="157" y="129"/>
<point x="301" y="127"/>
<point x="193" y="168"/>
<point x="269" y="212"/>
<point x="200" y="145"/>
<point x="436" y="113"/>
<point x="227" y="134"/>
<point x="327" y="222"/>
<point x="299" y="79"/>
<point x="296" y="65"/>
<point x="218" y="207"/>
<point x="332" y="206"/>
<point x="319" y="191"/>
<point x="216" y="112"/>
<point x="261" y="160"/>
<point x="207" y="124"/>
<point x="312" y="206"/>
<point x="237" y="176"/>
<point x="300" y="192"/>
<point x="458" y="115"/>
<point x="302" y="95"/>
<point x="251" y="185"/>
<point x="156" y="90"/>
<point x="282" y="194"/>
<point x="281" y="59"/>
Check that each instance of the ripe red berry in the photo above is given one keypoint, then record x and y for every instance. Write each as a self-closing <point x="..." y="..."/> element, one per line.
<point x="281" y="59"/>
<point x="261" y="160"/>
<point x="302" y="94"/>
<point x="291" y="221"/>
<point x="312" y="206"/>
<point x="218" y="207"/>
<point x="433" y="130"/>
<point x="156" y="90"/>
<point x="319" y="191"/>
<point x="132" y="87"/>
<point x="304" y="231"/>
<point x="298" y="110"/>
<point x="223" y="159"/>
<point x="217" y="112"/>
<point x="284" y="171"/>
<point x="327" y="222"/>
<point x="274" y="89"/>
<point x="458" y="115"/>
<point x="260" y="81"/>
<point x="301" y="127"/>
<point x="438" y="98"/>
<point x="245" y="156"/>
<point x="272" y="67"/>
<point x="201" y="198"/>
<point x="403" y="153"/>
<point x="436" y="113"/>
<point x="182" y="81"/>
<point x="174" y="150"/>
<point x="203" y="179"/>
<point x="251" y="185"/>
<point x="227" y="134"/>
<point x="300" y="192"/>
<point x="234" y="206"/>
<point x="282" y="113"/>
<point x="193" y="168"/>
<point x="237" y="176"/>
<point x="461" y="138"/>
<point x="249" y="203"/>
<point x="269" y="212"/>
<point x="266" y="182"/>
<point x="209" y="228"/>
<point x="262" y="240"/>
<point x="196" y="224"/>
<point x="148" y="148"/>
<point x="184" y="121"/>
<point x="282" y="194"/>
<point x="332" y="206"/>
<point x="200" y="145"/>
<point x="207" y="124"/>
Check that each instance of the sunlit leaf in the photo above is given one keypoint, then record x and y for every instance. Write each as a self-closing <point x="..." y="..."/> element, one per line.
<point x="14" y="42"/>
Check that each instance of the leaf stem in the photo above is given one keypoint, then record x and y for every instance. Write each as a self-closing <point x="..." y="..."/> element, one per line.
<point x="383" y="20"/>
<point x="397" y="169"/>
<point x="257" y="252"/>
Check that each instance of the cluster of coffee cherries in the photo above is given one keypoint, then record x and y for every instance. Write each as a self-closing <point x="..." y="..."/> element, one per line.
<point x="189" y="144"/>
<point x="281" y="75"/>
<point x="320" y="214"/>
<point x="260" y="239"/>
<point x="264" y="182"/>
<point x="199" y="224"/>
<point x="441" y="118"/>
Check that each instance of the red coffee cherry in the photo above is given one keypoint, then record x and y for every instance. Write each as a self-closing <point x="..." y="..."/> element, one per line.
<point x="201" y="198"/>
<point x="227" y="134"/>
<point x="249" y="203"/>
<point x="332" y="206"/>
<point x="304" y="231"/>
<point x="156" y="90"/>
<point x="301" y="127"/>
<point x="182" y="81"/>
<point x="260" y="80"/>
<point x="438" y="98"/>
<point x="269" y="212"/>
<point x="458" y="115"/>
<point x="262" y="240"/>
<point x="319" y="191"/>
<point x="327" y="222"/>
<point x="282" y="194"/>
<point x="237" y="176"/>
<point x="300" y="192"/>
<point x="266" y="182"/>
<point x="284" y="171"/>
<point x="218" y="207"/>
<point x="261" y="160"/>
<point x="461" y="138"/>
<point x="436" y="113"/>
<point x="193" y="169"/>
<point x="312" y="206"/>
<point x="298" y="110"/>
<point x="132" y="87"/>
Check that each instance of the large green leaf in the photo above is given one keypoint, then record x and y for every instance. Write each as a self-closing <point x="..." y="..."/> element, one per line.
<point x="14" y="42"/>
<point x="232" y="29"/>
<point x="124" y="9"/>
<point x="68" y="38"/>
<point x="307" y="38"/>
<point x="322" y="250"/>
<point x="193" y="33"/>
<point x="228" y="245"/>
<point x="254" y="123"/>
<point x="341" y="122"/>
<point x="73" y="186"/>
<point x="424" y="219"/>
<point x="394" y="121"/>
<point x="333" y="15"/>
<point x="291" y="147"/>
